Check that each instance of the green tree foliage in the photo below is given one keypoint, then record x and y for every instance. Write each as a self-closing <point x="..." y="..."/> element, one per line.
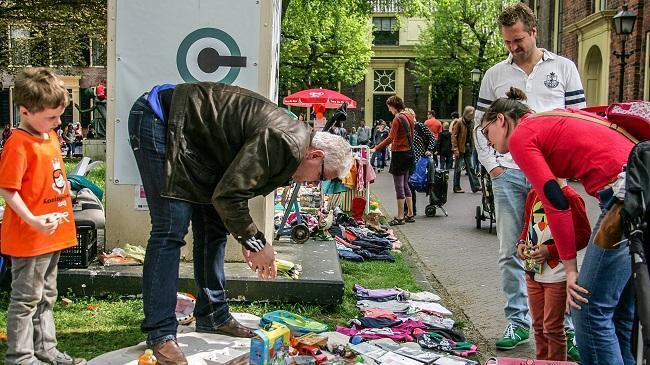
<point x="323" y="43"/>
<point x="326" y="42"/>
<point x="50" y="32"/>
<point x="460" y="35"/>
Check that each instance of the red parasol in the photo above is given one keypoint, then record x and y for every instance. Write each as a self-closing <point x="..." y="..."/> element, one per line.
<point x="310" y="97"/>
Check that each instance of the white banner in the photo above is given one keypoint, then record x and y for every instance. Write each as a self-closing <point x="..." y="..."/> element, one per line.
<point x="171" y="41"/>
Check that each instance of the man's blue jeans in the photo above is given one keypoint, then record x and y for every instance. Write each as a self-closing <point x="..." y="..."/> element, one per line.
<point x="473" y="179"/>
<point x="170" y="219"/>
<point x="510" y="191"/>
<point x="604" y="325"/>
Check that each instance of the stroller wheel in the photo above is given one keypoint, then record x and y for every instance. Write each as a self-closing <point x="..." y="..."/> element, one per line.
<point x="430" y="211"/>
<point x="300" y="233"/>
<point x="479" y="217"/>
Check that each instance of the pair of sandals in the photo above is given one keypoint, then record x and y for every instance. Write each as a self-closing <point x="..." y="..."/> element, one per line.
<point x="398" y="222"/>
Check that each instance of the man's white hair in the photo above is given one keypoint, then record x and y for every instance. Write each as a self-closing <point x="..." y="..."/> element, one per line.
<point x="338" y="153"/>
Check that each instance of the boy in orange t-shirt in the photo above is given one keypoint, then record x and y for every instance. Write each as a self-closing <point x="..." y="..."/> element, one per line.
<point x="38" y="222"/>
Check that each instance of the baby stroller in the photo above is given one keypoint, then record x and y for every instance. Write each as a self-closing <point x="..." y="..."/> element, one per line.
<point x="485" y="211"/>
<point x="438" y="183"/>
<point x="635" y="216"/>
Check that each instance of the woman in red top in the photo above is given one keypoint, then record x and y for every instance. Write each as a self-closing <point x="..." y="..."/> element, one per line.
<point x="402" y="157"/>
<point x="550" y="146"/>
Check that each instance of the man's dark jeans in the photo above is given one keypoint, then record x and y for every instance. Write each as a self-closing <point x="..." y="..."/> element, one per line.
<point x="464" y="161"/>
<point x="170" y="219"/>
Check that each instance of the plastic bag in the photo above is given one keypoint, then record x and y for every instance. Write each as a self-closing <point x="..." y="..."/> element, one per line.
<point x="419" y="178"/>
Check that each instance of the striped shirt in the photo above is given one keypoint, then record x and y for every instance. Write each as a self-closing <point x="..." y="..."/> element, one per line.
<point x="553" y="83"/>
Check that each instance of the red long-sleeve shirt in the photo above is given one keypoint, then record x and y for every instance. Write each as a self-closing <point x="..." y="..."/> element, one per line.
<point x="578" y="211"/>
<point x="397" y="135"/>
<point x="546" y="147"/>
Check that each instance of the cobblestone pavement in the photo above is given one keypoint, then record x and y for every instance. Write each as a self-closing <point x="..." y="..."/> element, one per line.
<point x="462" y="258"/>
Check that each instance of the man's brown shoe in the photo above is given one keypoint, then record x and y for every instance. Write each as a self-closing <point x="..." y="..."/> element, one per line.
<point x="231" y="328"/>
<point x="169" y="353"/>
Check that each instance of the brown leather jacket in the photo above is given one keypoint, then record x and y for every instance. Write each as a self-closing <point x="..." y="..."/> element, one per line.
<point x="227" y="145"/>
<point x="459" y="136"/>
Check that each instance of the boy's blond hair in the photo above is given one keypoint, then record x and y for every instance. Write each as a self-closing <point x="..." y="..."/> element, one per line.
<point x="38" y="89"/>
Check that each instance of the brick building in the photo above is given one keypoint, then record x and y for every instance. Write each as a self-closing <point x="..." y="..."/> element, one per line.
<point x="583" y="31"/>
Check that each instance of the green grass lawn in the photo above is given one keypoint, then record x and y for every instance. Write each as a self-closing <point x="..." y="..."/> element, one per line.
<point x="92" y="326"/>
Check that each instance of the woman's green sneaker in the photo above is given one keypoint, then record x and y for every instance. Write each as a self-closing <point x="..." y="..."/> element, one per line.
<point x="572" y="353"/>
<point x="513" y="336"/>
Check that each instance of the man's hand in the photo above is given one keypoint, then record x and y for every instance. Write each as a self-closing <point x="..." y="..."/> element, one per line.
<point x="263" y="262"/>
<point x="496" y="171"/>
<point x="540" y="254"/>
<point x="46" y="223"/>
<point x="573" y="291"/>
<point x="372" y="150"/>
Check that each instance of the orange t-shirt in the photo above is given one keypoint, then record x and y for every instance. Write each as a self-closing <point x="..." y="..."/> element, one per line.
<point x="434" y="125"/>
<point x="34" y="167"/>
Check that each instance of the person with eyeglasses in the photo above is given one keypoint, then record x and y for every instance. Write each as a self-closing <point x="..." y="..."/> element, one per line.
<point x="551" y="146"/>
<point x="203" y="150"/>
<point x="551" y="81"/>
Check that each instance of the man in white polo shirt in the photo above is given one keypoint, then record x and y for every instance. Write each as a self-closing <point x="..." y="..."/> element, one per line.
<point x="550" y="81"/>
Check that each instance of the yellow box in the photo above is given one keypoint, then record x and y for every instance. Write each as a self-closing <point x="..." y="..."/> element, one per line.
<point x="270" y="345"/>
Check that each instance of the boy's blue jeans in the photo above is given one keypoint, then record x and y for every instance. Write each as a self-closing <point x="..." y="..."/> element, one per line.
<point x="30" y="321"/>
<point x="604" y="325"/>
<point x="170" y="219"/>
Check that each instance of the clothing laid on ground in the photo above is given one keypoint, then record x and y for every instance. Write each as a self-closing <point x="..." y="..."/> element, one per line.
<point x="33" y="167"/>
<point x="379" y="295"/>
<point x="541" y="144"/>
<point x="537" y="231"/>
<point x="358" y="244"/>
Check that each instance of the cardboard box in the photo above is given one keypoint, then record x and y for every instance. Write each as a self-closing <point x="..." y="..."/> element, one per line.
<point x="270" y="346"/>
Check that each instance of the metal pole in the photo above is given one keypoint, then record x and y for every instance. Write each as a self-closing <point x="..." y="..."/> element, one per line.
<point x="622" y="78"/>
<point x="474" y="94"/>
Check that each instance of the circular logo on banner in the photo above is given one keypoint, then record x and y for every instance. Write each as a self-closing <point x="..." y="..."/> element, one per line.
<point x="209" y="54"/>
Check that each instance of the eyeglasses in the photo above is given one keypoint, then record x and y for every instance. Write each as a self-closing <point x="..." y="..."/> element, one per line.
<point x="485" y="131"/>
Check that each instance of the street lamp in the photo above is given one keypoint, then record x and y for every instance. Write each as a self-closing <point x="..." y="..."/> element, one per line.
<point x="624" y="25"/>
<point x="476" y="78"/>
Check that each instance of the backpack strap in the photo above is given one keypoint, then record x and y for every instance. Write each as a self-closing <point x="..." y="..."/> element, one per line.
<point x="588" y="118"/>
<point x="407" y="129"/>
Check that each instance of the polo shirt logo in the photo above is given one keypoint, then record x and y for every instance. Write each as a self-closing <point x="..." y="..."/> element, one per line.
<point x="551" y="81"/>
